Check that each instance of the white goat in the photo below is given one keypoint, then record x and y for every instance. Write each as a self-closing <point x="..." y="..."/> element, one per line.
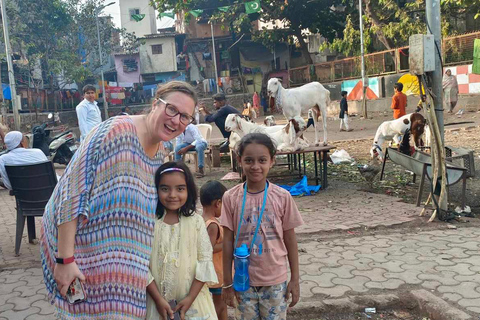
<point x="270" y="121"/>
<point x="285" y="137"/>
<point x="297" y="100"/>
<point x="393" y="129"/>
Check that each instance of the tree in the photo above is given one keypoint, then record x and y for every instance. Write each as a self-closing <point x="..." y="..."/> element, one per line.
<point x="298" y="16"/>
<point x="36" y="37"/>
<point x="60" y="36"/>
<point x="393" y="22"/>
<point x="464" y="5"/>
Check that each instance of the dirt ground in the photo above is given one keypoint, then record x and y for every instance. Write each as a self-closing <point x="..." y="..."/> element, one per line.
<point x="398" y="182"/>
<point x="380" y="315"/>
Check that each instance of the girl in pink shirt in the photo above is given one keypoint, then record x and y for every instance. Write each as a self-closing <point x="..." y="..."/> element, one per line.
<point x="275" y="244"/>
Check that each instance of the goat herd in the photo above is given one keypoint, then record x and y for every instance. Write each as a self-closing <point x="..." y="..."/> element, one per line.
<point x="295" y="101"/>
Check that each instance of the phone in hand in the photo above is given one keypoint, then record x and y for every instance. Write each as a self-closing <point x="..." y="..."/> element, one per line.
<point x="75" y="292"/>
<point x="173" y="305"/>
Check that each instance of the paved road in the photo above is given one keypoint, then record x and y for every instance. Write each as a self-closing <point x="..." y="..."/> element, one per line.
<point x="447" y="262"/>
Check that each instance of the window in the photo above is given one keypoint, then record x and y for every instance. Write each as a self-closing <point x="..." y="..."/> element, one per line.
<point x="157" y="49"/>
<point x="132" y="12"/>
<point x="130" y="65"/>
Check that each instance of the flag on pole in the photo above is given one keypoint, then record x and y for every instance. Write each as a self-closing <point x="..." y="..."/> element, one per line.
<point x="196" y="13"/>
<point x="138" y="17"/>
<point x="224" y="9"/>
<point x="170" y="15"/>
<point x="252" y="6"/>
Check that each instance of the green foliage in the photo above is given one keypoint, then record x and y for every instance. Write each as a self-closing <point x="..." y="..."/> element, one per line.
<point x="60" y="36"/>
<point x="463" y="5"/>
<point x="298" y="16"/>
<point x="349" y="45"/>
<point x="388" y="25"/>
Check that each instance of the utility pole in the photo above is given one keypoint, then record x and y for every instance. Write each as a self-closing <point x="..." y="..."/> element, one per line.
<point x="364" y="78"/>
<point x="105" y="103"/>
<point x="432" y="11"/>
<point x="11" y="76"/>
<point x="214" y="58"/>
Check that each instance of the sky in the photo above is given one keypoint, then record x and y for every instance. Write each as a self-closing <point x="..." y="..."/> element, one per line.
<point x="114" y="11"/>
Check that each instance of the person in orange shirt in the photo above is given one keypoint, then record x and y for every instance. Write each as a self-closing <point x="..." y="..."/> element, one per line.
<point x="399" y="101"/>
<point x="211" y="195"/>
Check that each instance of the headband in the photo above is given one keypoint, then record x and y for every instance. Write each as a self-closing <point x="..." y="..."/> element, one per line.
<point x="171" y="169"/>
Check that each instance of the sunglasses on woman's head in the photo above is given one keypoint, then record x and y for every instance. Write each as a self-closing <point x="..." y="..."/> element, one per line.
<point x="172" y="111"/>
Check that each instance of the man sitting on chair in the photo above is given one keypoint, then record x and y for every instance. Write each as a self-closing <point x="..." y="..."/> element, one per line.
<point x="191" y="139"/>
<point x="17" y="155"/>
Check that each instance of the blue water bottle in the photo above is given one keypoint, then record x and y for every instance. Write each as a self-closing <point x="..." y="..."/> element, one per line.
<point x="241" y="279"/>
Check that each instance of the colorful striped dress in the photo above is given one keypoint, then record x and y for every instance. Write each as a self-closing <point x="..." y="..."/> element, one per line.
<point x="109" y="185"/>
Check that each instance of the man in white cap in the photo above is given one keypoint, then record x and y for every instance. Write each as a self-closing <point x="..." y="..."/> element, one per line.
<point x="17" y="155"/>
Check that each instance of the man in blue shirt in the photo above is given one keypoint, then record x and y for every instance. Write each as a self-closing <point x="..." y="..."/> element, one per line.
<point x="191" y="139"/>
<point x="88" y="113"/>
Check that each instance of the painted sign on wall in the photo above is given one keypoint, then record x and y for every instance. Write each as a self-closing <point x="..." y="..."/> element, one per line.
<point x="354" y="89"/>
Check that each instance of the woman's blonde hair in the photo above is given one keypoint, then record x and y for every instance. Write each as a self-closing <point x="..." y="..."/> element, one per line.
<point x="174" y="86"/>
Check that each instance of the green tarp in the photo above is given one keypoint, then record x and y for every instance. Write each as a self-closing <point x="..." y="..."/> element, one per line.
<point x="476" y="57"/>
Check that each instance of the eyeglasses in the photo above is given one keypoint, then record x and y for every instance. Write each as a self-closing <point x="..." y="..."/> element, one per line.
<point x="172" y="111"/>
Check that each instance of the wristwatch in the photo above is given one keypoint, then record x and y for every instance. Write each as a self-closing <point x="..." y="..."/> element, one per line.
<point x="65" y="260"/>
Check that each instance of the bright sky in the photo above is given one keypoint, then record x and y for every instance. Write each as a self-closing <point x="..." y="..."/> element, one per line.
<point x="114" y="11"/>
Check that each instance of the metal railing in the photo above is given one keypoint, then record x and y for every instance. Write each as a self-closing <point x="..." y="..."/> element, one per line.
<point x="459" y="48"/>
<point x="456" y="50"/>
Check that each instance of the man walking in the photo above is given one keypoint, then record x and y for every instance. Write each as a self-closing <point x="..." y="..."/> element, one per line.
<point x="88" y="113"/>
<point x="399" y="101"/>
<point x="344" y="112"/>
<point x="191" y="139"/>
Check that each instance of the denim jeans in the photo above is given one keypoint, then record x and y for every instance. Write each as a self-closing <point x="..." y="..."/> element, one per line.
<point x="199" y="148"/>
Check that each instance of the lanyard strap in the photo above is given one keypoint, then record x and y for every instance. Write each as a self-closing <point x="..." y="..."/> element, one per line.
<point x="259" y="217"/>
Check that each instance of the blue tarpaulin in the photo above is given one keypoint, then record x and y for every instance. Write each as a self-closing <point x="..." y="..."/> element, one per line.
<point x="302" y="188"/>
<point x="6" y="91"/>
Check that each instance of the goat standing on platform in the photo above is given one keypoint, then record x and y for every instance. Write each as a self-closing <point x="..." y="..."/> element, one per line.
<point x="294" y="101"/>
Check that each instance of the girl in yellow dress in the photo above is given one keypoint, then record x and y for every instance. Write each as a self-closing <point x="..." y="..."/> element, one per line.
<point x="181" y="260"/>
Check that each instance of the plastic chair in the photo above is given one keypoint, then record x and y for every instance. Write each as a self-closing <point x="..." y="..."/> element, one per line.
<point x="32" y="187"/>
<point x="206" y="132"/>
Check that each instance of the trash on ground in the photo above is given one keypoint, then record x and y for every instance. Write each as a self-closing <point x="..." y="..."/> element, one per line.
<point x="340" y="156"/>
<point x="370" y="310"/>
<point x="459" y="210"/>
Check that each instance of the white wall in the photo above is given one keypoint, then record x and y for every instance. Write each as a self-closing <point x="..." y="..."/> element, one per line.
<point x="155" y="63"/>
<point x="147" y="26"/>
